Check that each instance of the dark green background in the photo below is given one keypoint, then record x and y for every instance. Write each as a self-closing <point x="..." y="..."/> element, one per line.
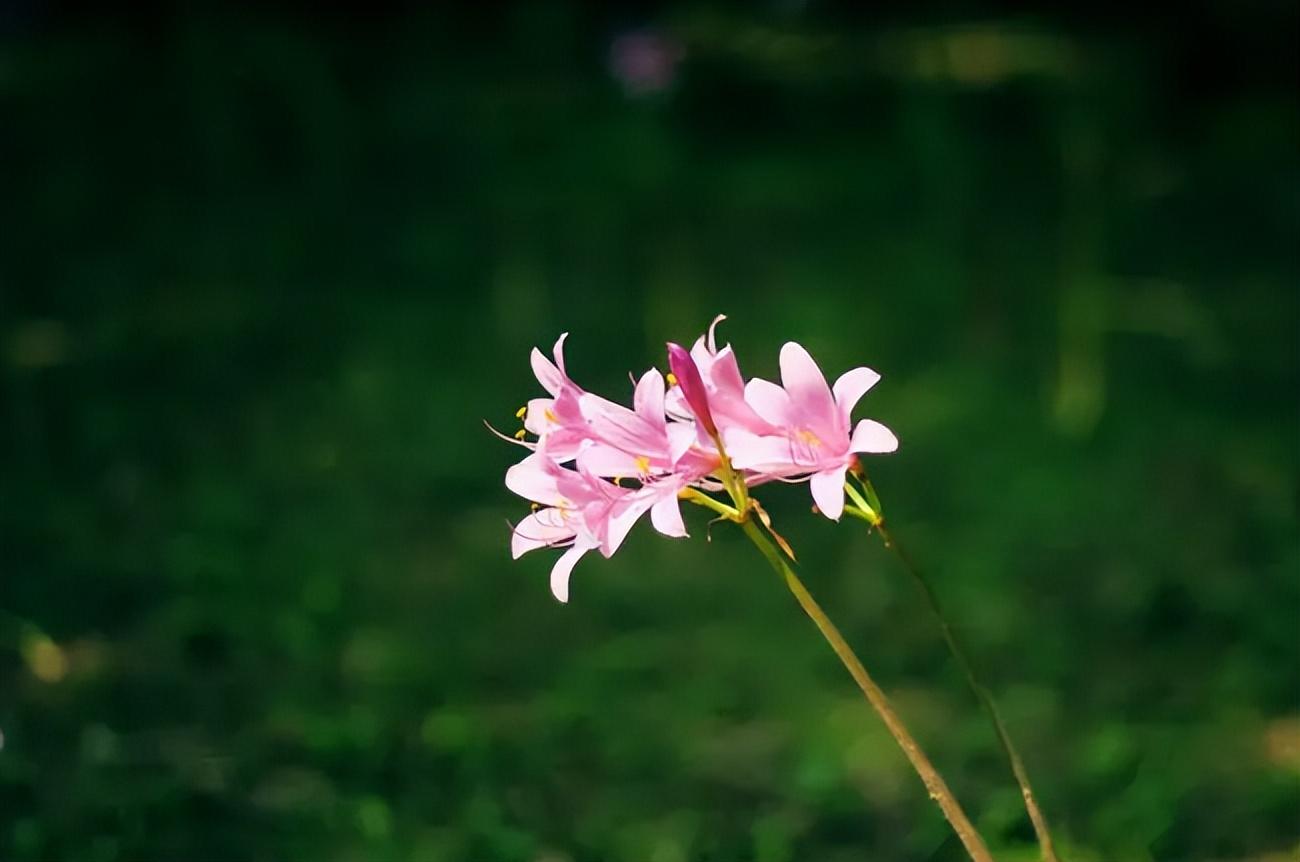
<point x="263" y="275"/>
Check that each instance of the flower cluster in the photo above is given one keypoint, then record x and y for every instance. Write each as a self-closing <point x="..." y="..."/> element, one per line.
<point x="595" y="466"/>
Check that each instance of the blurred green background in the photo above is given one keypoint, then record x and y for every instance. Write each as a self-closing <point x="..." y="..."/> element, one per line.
<point x="263" y="274"/>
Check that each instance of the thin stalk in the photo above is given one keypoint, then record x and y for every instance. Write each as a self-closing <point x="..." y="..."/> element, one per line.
<point x="934" y="782"/>
<point x="873" y="516"/>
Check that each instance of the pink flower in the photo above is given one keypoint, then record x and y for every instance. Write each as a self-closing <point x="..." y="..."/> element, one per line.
<point x="814" y="422"/>
<point x="692" y="386"/>
<point x="640" y="442"/>
<point x="564" y="421"/>
<point x="723" y="385"/>
<point x="585" y="512"/>
<point x="672" y="439"/>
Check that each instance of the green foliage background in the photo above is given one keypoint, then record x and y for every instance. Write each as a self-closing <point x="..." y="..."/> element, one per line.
<point x="263" y="275"/>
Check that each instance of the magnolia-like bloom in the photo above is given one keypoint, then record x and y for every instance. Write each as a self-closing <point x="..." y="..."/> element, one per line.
<point x="672" y="440"/>
<point x="639" y="443"/>
<point x="723" y="386"/>
<point x="585" y="512"/>
<point x="562" y="422"/>
<point x="814" y="421"/>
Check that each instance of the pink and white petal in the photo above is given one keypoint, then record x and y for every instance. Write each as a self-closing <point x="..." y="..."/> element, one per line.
<point x="629" y="432"/>
<point x="764" y="453"/>
<point x="872" y="437"/>
<point x="804" y="381"/>
<point x="702" y="356"/>
<point x="544" y="528"/>
<point x="676" y="407"/>
<point x="563" y="568"/>
<point x="850" y="387"/>
<point x="828" y="492"/>
<point x="725" y="375"/>
<point x="609" y="461"/>
<point x="769" y="401"/>
<point x="538" y="418"/>
<point x="534" y="479"/>
<point x="666" y="516"/>
<point x="591" y="406"/>
<point x="648" y="398"/>
<point x="681" y="436"/>
<point x="558" y="352"/>
<point x="622" y="517"/>
<point x="551" y="378"/>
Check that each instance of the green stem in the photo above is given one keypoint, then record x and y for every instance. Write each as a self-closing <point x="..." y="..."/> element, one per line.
<point x="699" y="498"/>
<point x="934" y="782"/>
<point x="873" y="517"/>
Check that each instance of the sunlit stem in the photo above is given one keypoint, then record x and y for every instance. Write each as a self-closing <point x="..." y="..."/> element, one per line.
<point x="699" y="498"/>
<point x="934" y="782"/>
<point x="865" y="510"/>
<point x="733" y="482"/>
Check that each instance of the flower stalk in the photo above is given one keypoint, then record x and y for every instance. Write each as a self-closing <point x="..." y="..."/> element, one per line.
<point x="869" y="510"/>
<point x="595" y="467"/>
<point x="930" y="777"/>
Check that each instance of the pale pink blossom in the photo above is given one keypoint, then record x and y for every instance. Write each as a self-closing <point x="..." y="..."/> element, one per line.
<point x="723" y="385"/>
<point x="637" y="443"/>
<point x="816" y="435"/>
<point x="669" y="441"/>
<point x="560" y="422"/>
<point x="585" y="512"/>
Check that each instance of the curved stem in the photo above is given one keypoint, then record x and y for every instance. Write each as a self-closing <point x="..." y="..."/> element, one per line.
<point x="870" y="511"/>
<point x="934" y="782"/>
<point x="982" y="694"/>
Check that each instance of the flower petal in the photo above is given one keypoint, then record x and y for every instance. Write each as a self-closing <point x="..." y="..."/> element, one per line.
<point x="805" y="383"/>
<point x="601" y="459"/>
<point x="534" y="479"/>
<point x="538" y="418"/>
<point x="623" y="516"/>
<point x="563" y="568"/>
<point x="558" y="352"/>
<point x="692" y="386"/>
<point x="544" y="528"/>
<point x="551" y="378"/>
<point x="666" y="516"/>
<point x="828" y="492"/>
<point x="870" y="436"/>
<point x="681" y="436"/>
<point x="648" y="399"/>
<point x="765" y="454"/>
<point x="851" y="386"/>
<point x="770" y="402"/>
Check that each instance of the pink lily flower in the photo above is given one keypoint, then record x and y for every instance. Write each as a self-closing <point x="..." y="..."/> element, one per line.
<point x="723" y="387"/>
<point x="816" y="436"/>
<point x="563" y="421"/>
<point x="640" y="442"/>
<point x="585" y="512"/>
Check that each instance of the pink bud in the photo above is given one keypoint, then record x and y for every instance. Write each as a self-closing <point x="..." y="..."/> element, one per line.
<point x="688" y="377"/>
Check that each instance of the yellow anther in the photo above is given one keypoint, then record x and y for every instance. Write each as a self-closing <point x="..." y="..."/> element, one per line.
<point x="642" y="464"/>
<point x="519" y="435"/>
<point x="618" y="481"/>
<point x="521" y="412"/>
<point x="534" y="506"/>
<point x="672" y="379"/>
<point x="809" y="437"/>
<point x="550" y="416"/>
